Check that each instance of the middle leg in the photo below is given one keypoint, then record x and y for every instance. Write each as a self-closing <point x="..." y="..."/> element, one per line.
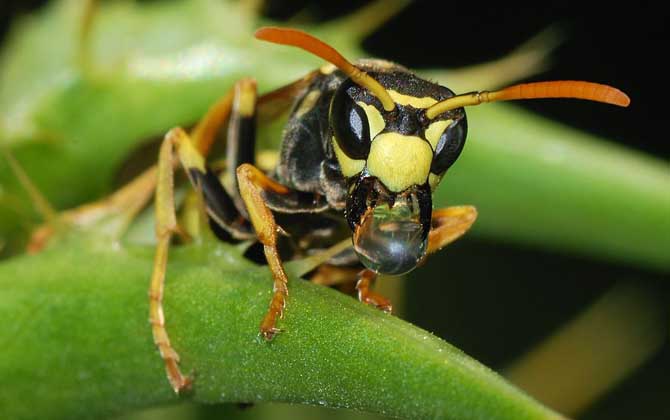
<point x="365" y="280"/>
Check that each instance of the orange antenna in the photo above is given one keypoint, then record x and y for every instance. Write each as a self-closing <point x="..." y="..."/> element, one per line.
<point x="559" y="89"/>
<point x="307" y="42"/>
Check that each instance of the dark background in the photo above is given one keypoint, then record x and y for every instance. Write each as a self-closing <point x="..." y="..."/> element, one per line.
<point x="503" y="307"/>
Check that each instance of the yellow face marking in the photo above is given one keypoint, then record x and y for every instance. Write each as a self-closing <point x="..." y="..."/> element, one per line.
<point x="349" y="166"/>
<point x="307" y="103"/>
<point x="421" y="103"/>
<point x="399" y="161"/>
<point x="375" y="119"/>
<point x="435" y="130"/>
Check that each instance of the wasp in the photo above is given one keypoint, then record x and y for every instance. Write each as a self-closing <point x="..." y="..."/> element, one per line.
<point x="365" y="145"/>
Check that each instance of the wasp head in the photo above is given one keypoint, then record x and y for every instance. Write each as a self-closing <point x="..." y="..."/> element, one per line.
<point x="393" y="159"/>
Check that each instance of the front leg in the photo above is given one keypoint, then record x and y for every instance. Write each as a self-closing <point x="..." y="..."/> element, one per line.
<point x="330" y="275"/>
<point x="253" y="184"/>
<point x="449" y="224"/>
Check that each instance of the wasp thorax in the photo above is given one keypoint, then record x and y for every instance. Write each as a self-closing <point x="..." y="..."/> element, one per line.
<point x="391" y="238"/>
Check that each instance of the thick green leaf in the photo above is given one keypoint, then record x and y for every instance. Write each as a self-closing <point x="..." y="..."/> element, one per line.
<point x="79" y="344"/>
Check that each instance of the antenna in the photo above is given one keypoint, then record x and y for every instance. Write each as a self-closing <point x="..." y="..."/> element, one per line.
<point x="538" y="90"/>
<point x="307" y="42"/>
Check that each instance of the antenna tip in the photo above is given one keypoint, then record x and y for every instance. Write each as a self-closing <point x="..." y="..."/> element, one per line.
<point x="613" y="96"/>
<point x="621" y="99"/>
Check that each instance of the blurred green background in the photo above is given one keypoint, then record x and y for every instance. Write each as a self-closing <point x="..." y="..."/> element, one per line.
<point x="496" y="300"/>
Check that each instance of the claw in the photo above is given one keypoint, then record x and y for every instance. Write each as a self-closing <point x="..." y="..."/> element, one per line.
<point x="184" y="385"/>
<point x="269" y="333"/>
<point x="378" y="301"/>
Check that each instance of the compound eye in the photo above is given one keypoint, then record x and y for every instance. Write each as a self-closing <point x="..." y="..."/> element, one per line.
<point x="449" y="146"/>
<point x="350" y="126"/>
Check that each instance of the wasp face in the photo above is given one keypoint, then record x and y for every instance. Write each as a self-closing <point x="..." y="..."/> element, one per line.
<point x="393" y="160"/>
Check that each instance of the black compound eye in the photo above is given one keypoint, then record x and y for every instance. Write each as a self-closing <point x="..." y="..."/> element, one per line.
<point x="350" y="125"/>
<point x="449" y="146"/>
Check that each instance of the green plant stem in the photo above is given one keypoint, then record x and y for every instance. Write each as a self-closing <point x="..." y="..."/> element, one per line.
<point x="76" y="342"/>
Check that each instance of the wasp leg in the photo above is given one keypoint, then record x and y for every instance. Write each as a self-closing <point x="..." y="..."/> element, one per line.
<point x="255" y="186"/>
<point x="332" y="275"/>
<point x="241" y="137"/>
<point x="271" y="106"/>
<point x="40" y="203"/>
<point x="244" y="107"/>
<point x="252" y="182"/>
<point x="449" y="224"/>
<point x="342" y="278"/>
<point x="365" y="295"/>
<point x="236" y="108"/>
<point x="117" y="210"/>
<point x="204" y="133"/>
<point x="166" y="226"/>
<point x="225" y="206"/>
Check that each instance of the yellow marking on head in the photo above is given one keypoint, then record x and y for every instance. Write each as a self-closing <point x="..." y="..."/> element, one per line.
<point x="435" y="130"/>
<point x="401" y="99"/>
<point x="307" y="103"/>
<point x="399" y="161"/>
<point x="349" y="166"/>
<point x="327" y="68"/>
<point x="375" y="119"/>
<point x="434" y="180"/>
